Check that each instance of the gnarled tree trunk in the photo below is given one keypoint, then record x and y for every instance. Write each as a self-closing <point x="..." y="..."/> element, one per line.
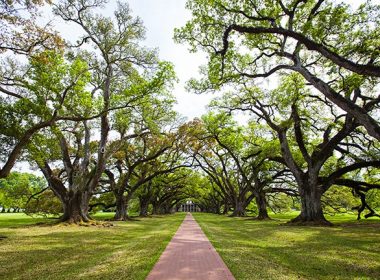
<point x="121" y="208"/>
<point x="144" y="204"/>
<point x="122" y="202"/>
<point x="239" y="209"/>
<point x="261" y="203"/>
<point x="75" y="207"/>
<point x="311" y="207"/>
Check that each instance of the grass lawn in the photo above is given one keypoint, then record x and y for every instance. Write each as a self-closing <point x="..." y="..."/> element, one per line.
<point x="128" y="250"/>
<point x="268" y="250"/>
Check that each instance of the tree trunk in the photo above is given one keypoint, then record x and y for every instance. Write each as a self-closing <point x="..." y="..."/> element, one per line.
<point x="239" y="209"/>
<point x="121" y="207"/>
<point x="261" y="203"/>
<point x="217" y="208"/>
<point x="144" y="204"/>
<point x="225" y="208"/>
<point x="75" y="207"/>
<point x="311" y="207"/>
<point x="156" y="208"/>
<point x="165" y="208"/>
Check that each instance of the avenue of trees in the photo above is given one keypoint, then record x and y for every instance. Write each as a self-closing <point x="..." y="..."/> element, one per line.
<point x="94" y="114"/>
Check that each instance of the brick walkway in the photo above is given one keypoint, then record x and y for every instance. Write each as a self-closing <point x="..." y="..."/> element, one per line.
<point x="190" y="256"/>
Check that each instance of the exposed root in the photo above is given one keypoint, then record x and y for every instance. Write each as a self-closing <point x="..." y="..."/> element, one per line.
<point x="89" y="223"/>
<point x="304" y="222"/>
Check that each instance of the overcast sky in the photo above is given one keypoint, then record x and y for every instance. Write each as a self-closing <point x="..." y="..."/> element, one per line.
<point x="160" y="17"/>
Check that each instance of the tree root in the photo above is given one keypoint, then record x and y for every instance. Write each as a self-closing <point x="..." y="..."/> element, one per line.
<point x="304" y="222"/>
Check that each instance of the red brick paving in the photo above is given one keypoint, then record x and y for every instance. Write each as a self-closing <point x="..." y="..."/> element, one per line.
<point x="190" y="256"/>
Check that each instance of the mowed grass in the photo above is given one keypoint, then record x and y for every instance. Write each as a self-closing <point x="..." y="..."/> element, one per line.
<point x="128" y="250"/>
<point x="271" y="250"/>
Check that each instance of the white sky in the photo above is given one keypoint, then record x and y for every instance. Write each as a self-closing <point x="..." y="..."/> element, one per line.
<point x="160" y="17"/>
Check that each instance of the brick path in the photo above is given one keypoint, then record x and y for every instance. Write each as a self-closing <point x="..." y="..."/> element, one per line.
<point x="190" y="256"/>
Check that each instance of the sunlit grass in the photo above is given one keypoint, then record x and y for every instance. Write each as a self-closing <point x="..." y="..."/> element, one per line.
<point x="271" y="250"/>
<point x="128" y="250"/>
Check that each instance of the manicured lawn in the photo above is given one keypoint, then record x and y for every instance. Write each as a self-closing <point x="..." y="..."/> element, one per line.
<point x="270" y="250"/>
<point x="128" y="250"/>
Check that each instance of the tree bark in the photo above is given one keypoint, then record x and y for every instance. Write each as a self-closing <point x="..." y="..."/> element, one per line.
<point x="144" y="204"/>
<point x="309" y="188"/>
<point x="225" y="208"/>
<point x="156" y="208"/>
<point x="311" y="207"/>
<point x="261" y="203"/>
<point x="121" y="207"/>
<point x="75" y="207"/>
<point x="239" y="209"/>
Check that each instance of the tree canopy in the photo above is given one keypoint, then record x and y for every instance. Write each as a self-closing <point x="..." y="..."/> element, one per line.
<point x="95" y="115"/>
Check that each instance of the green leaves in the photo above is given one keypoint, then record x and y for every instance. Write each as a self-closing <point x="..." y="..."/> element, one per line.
<point x="17" y="188"/>
<point x="58" y="85"/>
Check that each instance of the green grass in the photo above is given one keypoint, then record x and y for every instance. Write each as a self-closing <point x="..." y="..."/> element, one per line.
<point x="19" y="220"/>
<point x="35" y="248"/>
<point x="271" y="250"/>
<point x="128" y="250"/>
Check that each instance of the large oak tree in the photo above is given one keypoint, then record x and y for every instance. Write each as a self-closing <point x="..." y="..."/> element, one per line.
<point x="334" y="47"/>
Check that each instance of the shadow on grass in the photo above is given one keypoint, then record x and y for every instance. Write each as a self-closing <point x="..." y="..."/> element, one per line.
<point x="265" y="250"/>
<point x="126" y="251"/>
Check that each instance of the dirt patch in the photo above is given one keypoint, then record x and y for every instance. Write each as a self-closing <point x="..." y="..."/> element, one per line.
<point x="90" y="224"/>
